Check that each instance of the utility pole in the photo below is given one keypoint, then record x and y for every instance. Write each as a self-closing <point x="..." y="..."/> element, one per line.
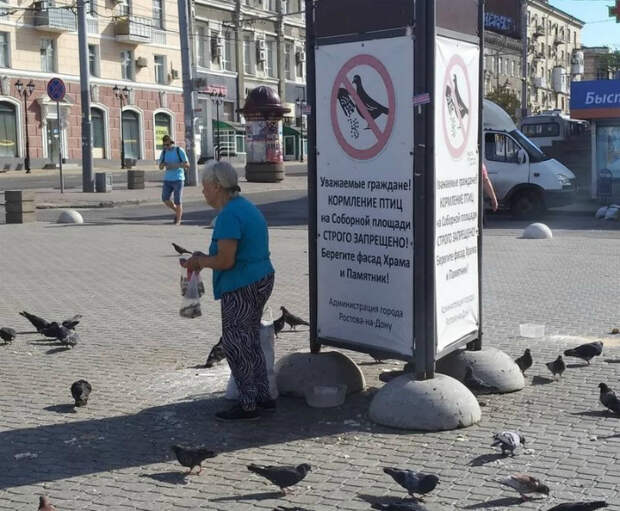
<point x="88" y="182"/>
<point x="524" y="49"/>
<point x="188" y="97"/>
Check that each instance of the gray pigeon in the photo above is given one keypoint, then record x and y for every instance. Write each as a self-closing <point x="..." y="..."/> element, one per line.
<point x="282" y="476"/>
<point x="45" y="504"/>
<point x="525" y="484"/>
<point x="36" y="321"/>
<point x="557" y="366"/>
<point x="413" y="482"/>
<point x="7" y="334"/>
<point x="216" y="354"/>
<point x="80" y="390"/>
<point x="525" y="361"/>
<point x="586" y="351"/>
<point x="71" y="323"/>
<point x="291" y="319"/>
<point x="579" y="506"/>
<point x="278" y="325"/>
<point x="507" y="441"/>
<point x="609" y="399"/>
<point x="67" y="337"/>
<point x="192" y="457"/>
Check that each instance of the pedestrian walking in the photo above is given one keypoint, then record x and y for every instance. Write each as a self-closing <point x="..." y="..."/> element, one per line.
<point x="243" y="278"/>
<point x="174" y="160"/>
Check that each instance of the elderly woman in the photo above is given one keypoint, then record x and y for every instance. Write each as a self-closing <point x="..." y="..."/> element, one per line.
<point x="243" y="279"/>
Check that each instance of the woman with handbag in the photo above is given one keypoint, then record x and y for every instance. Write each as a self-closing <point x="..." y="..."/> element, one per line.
<point x="243" y="278"/>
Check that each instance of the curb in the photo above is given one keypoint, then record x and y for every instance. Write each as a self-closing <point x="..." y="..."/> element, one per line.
<point x="105" y="204"/>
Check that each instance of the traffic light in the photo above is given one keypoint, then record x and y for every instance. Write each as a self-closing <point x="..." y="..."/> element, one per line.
<point x="615" y="11"/>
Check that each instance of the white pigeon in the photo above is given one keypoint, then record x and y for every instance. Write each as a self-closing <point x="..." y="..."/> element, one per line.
<point x="508" y="441"/>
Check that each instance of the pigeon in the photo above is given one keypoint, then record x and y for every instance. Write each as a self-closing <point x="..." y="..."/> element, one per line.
<point x="37" y="322"/>
<point x="525" y="361"/>
<point x="216" y="354"/>
<point x="525" y="484"/>
<point x="71" y="323"/>
<point x="508" y="441"/>
<point x="278" y="325"/>
<point x="413" y="482"/>
<point x="400" y="506"/>
<point x="475" y="384"/>
<point x="291" y="319"/>
<point x="7" y="334"/>
<point x="52" y="330"/>
<point x="282" y="476"/>
<point x="586" y="351"/>
<point x="373" y="107"/>
<point x="609" y="399"/>
<point x="580" y="506"/>
<point x="180" y="250"/>
<point x="80" y="390"/>
<point x="67" y="337"/>
<point x="191" y="457"/>
<point x="557" y="366"/>
<point x="45" y="504"/>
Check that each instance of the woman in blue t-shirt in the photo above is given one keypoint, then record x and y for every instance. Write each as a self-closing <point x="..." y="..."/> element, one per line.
<point x="174" y="160"/>
<point x="243" y="280"/>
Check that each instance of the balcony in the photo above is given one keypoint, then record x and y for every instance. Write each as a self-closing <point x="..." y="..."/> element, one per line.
<point x="559" y="40"/>
<point x="53" y="19"/>
<point x="539" y="31"/>
<point x="133" y="29"/>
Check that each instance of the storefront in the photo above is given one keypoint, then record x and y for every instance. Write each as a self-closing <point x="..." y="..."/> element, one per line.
<point x="293" y="149"/>
<point x="598" y="101"/>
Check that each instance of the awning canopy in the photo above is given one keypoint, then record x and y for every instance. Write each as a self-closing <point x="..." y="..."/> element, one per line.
<point x="293" y="131"/>
<point x="229" y="126"/>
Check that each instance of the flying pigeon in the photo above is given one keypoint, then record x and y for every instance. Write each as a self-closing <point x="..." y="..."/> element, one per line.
<point x="400" y="506"/>
<point x="413" y="482"/>
<point x="216" y="354"/>
<point x="36" y="321"/>
<point x="475" y="384"/>
<point x="80" y="390"/>
<point x="71" y="323"/>
<point x="291" y="319"/>
<point x="609" y="399"/>
<point x="524" y="484"/>
<point x="7" y="334"/>
<point x="278" y="325"/>
<point x="45" y="504"/>
<point x="525" y="361"/>
<point x="190" y="457"/>
<point x="180" y="250"/>
<point x="580" y="506"/>
<point x="557" y="366"/>
<point x="507" y="441"/>
<point x="586" y="351"/>
<point x="282" y="476"/>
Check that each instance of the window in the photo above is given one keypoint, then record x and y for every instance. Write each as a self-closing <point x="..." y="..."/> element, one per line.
<point x="48" y="55"/>
<point x="160" y="69"/>
<point x="288" y="55"/>
<point x="4" y="49"/>
<point x="162" y="127"/>
<point x="270" y="5"/>
<point x="92" y="8"/>
<point x="228" y="52"/>
<point x="93" y="59"/>
<point x="158" y="14"/>
<point x="131" y="134"/>
<point x="500" y="147"/>
<point x="216" y="47"/>
<point x="8" y="130"/>
<point x="248" y="64"/>
<point x="203" y="48"/>
<point x="124" y="8"/>
<point x="127" y="65"/>
<point x="97" y="123"/>
<point x="547" y="129"/>
<point x="301" y="65"/>
<point x="270" y="60"/>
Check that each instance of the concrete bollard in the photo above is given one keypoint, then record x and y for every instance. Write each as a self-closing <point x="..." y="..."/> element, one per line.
<point x="103" y="182"/>
<point x="135" y="179"/>
<point x="20" y="206"/>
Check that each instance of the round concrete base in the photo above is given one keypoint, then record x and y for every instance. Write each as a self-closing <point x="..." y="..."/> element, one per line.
<point x="492" y="366"/>
<point x="429" y="405"/>
<point x="537" y="231"/>
<point x="298" y="371"/>
<point x="264" y="172"/>
<point x="69" y="216"/>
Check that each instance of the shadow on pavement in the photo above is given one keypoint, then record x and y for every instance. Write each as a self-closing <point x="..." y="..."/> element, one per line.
<point x="168" y="477"/>
<point x="596" y="413"/>
<point x="249" y="496"/>
<point x="483" y="459"/>
<point x="541" y="380"/>
<point x="66" y="408"/>
<point x="503" y="502"/>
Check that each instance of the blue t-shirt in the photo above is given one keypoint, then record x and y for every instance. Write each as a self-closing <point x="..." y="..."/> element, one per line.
<point x="173" y="155"/>
<point x="241" y="220"/>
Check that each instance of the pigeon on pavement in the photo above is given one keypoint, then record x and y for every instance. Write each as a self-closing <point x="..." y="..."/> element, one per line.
<point x="580" y="506"/>
<point x="71" y="323"/>
<point x="475" y="384"/>
<point x="278" y="325"/>
<point x="525" y="484"/>
<point x="36" y="321"/>
<point x="192" y="457"/>
<point x="291" y="319"/>
<point x="413" y="482"/>
<point x="586" y="351"/>
<point x="180" y="250"/>
<point x="400" y="506"/>
<point x="557" y="366"/>
<point x="609" y="399"/>
<point x="525" y="361"/>
<point x="507" y="441"/>
<point x="216" y="354"/>
<point x="80" y="390"/>
<point x="45" y="504"/>
<point x="7" y="334"/>
<point x="282" y="476"/>
<point x="67" y="337"/>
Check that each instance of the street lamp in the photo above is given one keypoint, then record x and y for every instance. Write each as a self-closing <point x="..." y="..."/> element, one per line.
<point x="123" y="96"/>
<point x="26" y="92"/>
<point x="217" y="96"/>
<point x="301" y="104"/>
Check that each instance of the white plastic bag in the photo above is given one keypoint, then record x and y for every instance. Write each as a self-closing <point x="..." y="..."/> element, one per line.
<point x="267" y="336"/>
<point x="190" y="305"/>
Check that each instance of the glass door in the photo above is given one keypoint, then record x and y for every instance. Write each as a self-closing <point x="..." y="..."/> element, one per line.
<point x="53" y="139"/>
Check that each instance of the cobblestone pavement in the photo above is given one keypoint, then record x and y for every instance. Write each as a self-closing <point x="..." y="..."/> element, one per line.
<point x="139" y="355"/>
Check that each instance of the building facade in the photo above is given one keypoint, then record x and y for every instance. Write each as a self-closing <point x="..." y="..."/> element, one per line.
<point x="134" y="51"/>
<point x="595" y="66"/>
<point x="240" y="45"/>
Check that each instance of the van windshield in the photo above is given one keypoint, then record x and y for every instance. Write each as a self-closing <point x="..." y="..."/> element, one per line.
<point x="536" y="155"/>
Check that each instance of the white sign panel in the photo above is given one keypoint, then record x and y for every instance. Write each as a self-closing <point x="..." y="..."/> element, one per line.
<point x="456" y="190"/>
<point x="364" y="114"/>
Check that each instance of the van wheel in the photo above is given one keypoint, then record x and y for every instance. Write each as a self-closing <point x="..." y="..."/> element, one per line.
<point x="527" y="204"/>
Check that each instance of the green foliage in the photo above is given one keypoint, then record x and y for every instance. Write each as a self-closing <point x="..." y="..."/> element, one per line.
<point x="610" y="62"/>
<point x="505" y="97"/>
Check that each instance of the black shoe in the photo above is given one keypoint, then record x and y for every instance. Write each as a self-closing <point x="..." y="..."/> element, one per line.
<point x="236" y="413"/>
<point x="269" y="405"/>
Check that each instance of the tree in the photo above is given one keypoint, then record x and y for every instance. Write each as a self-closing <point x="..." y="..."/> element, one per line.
<point x="505" y="97"/>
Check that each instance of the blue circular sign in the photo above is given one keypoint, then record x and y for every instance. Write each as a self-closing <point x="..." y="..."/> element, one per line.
<point x="56" y="89"/>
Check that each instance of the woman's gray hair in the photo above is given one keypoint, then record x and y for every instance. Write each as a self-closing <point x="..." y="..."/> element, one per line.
<point x="222" y="173"/>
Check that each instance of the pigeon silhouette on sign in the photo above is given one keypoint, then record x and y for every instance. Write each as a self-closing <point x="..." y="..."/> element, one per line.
<point x="373" y="107"/>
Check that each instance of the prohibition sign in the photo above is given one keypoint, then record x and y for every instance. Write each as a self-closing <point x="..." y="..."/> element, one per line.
<point x="454" y="103"/>
<point x="342" y="80"/>
<point x="56" y="89"/>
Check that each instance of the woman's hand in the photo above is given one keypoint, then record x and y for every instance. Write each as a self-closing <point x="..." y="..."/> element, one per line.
<point x="193" y="263"/>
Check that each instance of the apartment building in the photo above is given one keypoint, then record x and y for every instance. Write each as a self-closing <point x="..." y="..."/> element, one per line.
<point x="595" y="63"/>
<point x="239" y="45"/>
<point x="134" y="60"/>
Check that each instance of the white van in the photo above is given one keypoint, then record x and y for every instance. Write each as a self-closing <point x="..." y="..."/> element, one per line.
<point x="526" y="181"/>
